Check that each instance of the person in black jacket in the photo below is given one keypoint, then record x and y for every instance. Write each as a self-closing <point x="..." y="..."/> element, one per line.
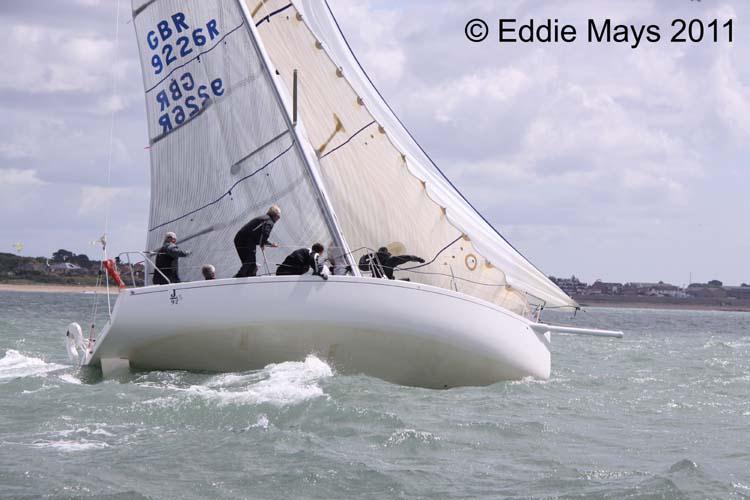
<point x="254" y="233"/>
<point x="382" y="263"/>
<point x="167" y="261"/>
<point x="302" y="260"/>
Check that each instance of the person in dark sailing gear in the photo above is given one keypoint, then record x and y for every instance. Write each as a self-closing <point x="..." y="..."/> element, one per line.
<point x="302" y="260"/>
<point x="382" y="263"/>
<point x="209" y="272"/>
<point x="167" y="260"/>
<point x="254" y="233"/>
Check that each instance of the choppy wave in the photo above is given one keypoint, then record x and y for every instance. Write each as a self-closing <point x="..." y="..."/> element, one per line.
<point x="280" y="384"/>
<point x="15" y="365"/>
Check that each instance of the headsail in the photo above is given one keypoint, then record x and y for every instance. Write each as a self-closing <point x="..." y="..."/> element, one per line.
<point x="382" y="185"/>
<point x="222" y="149"/>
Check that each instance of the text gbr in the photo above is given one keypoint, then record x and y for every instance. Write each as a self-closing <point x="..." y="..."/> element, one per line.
<point x="185" y="43"/>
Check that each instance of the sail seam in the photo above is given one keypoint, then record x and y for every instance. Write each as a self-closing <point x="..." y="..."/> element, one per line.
<point x="228" y="192"/>
<point x="142" y="8"/>
<point x="218" y="43"/>
<point x="269" y="16"/>
<point x="260" y="148"/>
<point x="355" y="134"/>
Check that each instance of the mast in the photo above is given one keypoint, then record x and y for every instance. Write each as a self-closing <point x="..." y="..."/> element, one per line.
<point x="324" y="202"/>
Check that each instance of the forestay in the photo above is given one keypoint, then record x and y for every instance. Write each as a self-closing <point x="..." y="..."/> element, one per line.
<point x="222" y="149"/>
<point x="384" y="189"/>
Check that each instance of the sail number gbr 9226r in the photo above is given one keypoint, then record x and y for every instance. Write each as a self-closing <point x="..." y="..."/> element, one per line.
<point x="186" y="40"/>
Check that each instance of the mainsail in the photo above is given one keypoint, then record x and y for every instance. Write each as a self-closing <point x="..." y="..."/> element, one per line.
<point x="222" y="148"/>
<point x="383" y="187"/>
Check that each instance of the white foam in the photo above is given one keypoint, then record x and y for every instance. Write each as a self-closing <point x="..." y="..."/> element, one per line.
<point x="405" y="435"/>
<point x="261" y="423"/>
<point x="278" y="384"/>
<point x="70" y="379"/>
<point x="15" y="365"/>
<point x="70" y="446"/>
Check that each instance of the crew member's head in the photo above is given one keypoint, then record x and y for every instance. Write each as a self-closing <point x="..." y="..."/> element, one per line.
<point x="170" y="237"/>
<point x="317" y="248"/>
<point x="209" y="272"/>
<point x="274" y="212"/>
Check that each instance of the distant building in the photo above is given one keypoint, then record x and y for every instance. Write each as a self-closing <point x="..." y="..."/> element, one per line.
<point x="604" y="288"/>
<point x="571" y="286"/>
<point x="738" y="292"/>
<point x="659" y="289"/>
<point x="705" y="291"/>
<point x="66" y="268"/>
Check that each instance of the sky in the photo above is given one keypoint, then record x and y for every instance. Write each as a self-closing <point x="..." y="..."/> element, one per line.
<point x="594" y="159"/>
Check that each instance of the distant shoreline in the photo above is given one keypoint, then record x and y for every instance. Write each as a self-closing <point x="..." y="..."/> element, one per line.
<point x="598" y="302"/>
<point x="53" y="288"/>
<point x="656" y="304"/>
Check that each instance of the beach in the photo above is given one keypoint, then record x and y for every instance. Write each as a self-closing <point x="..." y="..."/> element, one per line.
<point x="53" y="288"/>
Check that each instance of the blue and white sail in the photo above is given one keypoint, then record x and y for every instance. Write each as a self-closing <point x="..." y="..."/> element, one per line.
<point x="222" y="146"/>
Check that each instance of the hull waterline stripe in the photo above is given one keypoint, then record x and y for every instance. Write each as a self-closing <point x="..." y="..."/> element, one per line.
<point x="269" y="16"/>
<point x="227" y="193"/>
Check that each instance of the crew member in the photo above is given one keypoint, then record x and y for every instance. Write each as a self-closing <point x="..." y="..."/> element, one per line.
<point x="209" y="272"/>
<point x="382" y="263"/>
<point x="301" y="261"/>
<point x="167" y="261"/>
<point x="252" y="234"/>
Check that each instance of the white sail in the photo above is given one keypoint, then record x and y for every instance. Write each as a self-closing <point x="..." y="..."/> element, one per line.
<point x="222" y="150"/>
<point x="382" y="185"/>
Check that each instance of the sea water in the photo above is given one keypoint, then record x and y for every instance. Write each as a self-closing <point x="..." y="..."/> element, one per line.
<point x="662" y="413"/>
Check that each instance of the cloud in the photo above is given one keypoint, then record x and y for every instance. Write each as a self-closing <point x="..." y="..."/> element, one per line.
<point x="592" y="159"/>
<point x="13" y="178"/>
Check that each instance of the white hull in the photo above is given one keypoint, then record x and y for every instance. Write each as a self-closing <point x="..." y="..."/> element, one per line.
<point x="403" y="332"/>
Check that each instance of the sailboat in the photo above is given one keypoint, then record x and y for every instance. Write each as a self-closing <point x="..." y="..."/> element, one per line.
<point x="259" y="102"/>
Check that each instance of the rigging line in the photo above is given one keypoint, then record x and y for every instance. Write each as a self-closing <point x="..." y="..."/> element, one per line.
<point x="218" y="42"/>
<point x="435" y="257"/>
<point x="454" y="277"/>
<point x="228" y="192"/>
<point x="108" y="212"/>
<point x="341" y="32"/>
<point x="349" y="139"/>
<point x="269" y="16"/>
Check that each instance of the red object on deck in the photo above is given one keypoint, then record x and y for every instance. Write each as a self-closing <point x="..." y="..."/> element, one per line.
<point x="111" y="268"/>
